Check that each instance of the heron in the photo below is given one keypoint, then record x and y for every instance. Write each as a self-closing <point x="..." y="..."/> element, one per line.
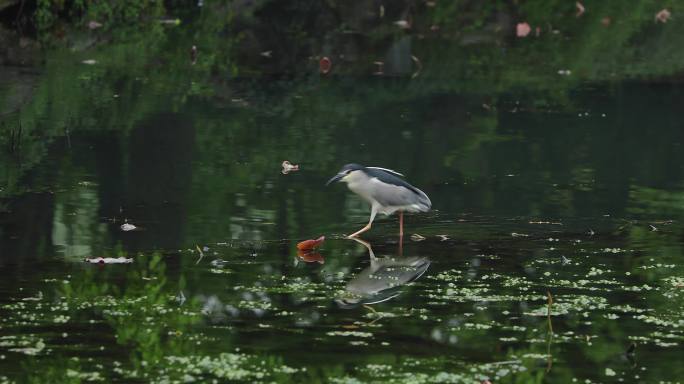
<point x="385" y="190"/>
<point x="382" y="280"/>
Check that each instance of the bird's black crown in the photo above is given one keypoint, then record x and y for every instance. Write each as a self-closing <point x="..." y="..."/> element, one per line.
<point x="352" y="167"/>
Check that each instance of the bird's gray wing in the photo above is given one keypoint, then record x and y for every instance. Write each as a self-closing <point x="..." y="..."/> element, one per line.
<point x="392" y="195"/>
<point x="387" y="170"/>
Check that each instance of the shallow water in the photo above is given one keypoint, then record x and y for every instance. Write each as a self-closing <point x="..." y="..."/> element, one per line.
<point x="554" y="243"/>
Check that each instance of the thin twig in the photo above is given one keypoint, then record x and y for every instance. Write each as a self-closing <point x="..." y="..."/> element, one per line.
<point x="379" y="315"/>
<point x="201" y="254"/>
<point x="16" y="19"/>
<point x="548" y="311"/>
<point x="66" y="130"/>
<point x="10" y="147"/>
<point x="550" y="334"/>
<point x="418" y="64"/>
<point x="375" y="320"/>
<point x="368" y="307"/>
<point x="19" y="136"/>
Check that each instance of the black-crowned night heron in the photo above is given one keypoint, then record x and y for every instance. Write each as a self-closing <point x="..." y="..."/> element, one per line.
<point x="382" y="280"/>
<point x="384" y="190"/>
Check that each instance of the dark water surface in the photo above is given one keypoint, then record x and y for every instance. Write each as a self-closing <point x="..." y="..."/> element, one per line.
<point x="573" y="189"/>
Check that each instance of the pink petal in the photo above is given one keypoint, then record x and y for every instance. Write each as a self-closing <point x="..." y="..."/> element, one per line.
<point x="522" y="29"/>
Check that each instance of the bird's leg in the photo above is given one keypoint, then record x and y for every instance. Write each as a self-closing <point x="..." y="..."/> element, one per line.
<point x="360" y="231"/>
<point x="368" y="247"/>
<point x="401" y="224"/>
<point x="401" y="233"/>
<point x="374" y="211"/>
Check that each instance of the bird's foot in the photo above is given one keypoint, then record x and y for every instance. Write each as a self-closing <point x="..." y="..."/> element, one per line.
<point x="360" y="231"/>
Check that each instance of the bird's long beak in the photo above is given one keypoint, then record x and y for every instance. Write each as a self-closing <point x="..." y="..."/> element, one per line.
<point x="335" y="178"/>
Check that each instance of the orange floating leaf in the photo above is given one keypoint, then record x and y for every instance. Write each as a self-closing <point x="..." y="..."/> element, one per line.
<point x="310" y="244"/>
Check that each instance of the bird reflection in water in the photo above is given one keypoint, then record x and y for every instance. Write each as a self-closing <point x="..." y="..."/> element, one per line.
<point x="310" y="256"/>
<point x="382" y="280"/>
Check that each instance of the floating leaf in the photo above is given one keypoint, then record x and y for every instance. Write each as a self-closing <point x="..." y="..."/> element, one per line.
<point x="417" y="237"/>
<point x="324" y="65"/>
<point x="289" y="167"/>
<point x="663" y="16"/>
<point x="128" y="227"/>
<point x="170" y="21"/>
<point x="310" y="244"/>
<point x="109" y="260"/>
<point x="403" y="24"/>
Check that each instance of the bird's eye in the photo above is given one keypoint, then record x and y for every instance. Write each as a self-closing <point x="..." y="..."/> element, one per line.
<point x="348" y="171"/>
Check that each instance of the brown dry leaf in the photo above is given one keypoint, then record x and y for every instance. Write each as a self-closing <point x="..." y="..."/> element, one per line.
<point x="289" y="167"/>
<point x="324" y="65"/>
